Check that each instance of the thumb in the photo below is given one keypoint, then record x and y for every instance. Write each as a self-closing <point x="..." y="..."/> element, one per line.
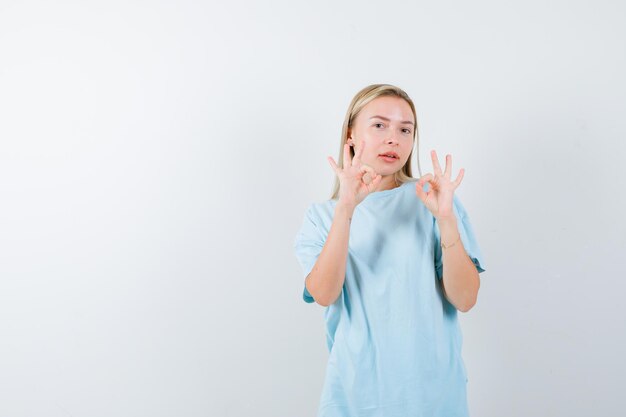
<point x="376" y="181"/>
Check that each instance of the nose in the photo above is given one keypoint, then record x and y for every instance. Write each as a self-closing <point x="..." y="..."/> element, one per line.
<point x="392" y="138"/>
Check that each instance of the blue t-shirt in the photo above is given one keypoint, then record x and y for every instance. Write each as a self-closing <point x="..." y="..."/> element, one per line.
<point x="393" y="338"/>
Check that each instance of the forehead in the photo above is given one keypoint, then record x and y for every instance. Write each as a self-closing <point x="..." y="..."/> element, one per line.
<point x="394" y="108"/>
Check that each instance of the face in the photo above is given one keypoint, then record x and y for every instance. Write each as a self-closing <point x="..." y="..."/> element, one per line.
<point x="386" y="124"/>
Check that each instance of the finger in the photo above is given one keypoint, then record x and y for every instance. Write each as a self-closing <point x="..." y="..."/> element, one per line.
<point x="448" y="170"/>
<point x="346" y="155"/>
<point x="427" y="179"/>
<point x="375" y="182"/>
<point x="367" y="175"/>
<point x="373" y="174"/>
<point x="459" y="178"/>
<point x="420" y="192"/>
<point x="369" y="169"/>
<point x="358" y="154"/>
<point x="436" y="166"/>
<point x="333" y="164"/>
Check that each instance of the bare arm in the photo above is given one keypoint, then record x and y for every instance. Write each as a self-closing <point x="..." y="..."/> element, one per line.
<point x="460" y="277"/>
<point x="325" y="280"/>
<point x="460" y="281"/>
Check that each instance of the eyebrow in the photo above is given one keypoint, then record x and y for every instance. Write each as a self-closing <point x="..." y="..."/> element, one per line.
<point x="386" y="119"/>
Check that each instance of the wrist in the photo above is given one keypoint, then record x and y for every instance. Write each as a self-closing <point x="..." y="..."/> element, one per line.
<point x="448" y="231"/>
<point x="449" y="221"/>
<point x="344" y="208"/>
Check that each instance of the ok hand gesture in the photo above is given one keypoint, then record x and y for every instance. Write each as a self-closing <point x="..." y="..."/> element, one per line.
<point x="352" y="189"/>
<point x="439" y="197"/>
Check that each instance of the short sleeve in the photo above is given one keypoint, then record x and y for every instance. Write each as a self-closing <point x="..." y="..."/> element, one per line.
<point x="308" y="245"/>
<point x="467" y="237"/>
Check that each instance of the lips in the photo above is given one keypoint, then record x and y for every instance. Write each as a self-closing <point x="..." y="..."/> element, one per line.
<point x="392" y="154"/>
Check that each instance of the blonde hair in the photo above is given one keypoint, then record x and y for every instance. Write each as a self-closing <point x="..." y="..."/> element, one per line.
<point x="359" y="101"/>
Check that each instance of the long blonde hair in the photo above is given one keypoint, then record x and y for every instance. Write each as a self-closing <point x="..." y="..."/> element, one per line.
<point x="359" y="101"/>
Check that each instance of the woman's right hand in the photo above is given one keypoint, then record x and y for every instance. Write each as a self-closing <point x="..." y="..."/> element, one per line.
<point x="352" y="189"/>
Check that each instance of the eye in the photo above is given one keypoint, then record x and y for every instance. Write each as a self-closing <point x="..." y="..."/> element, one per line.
<point x="407" y="131"/>
<point x="376" y="124"/>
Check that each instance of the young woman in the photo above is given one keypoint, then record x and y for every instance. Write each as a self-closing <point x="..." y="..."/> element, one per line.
<point x="392" y="258"/>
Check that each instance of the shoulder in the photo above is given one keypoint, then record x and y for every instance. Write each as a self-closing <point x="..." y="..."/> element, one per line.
<point x="320" y="210"/>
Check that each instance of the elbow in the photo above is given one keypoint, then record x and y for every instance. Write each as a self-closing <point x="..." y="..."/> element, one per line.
<point x="319" y="299"/>
<point x="465" y="309"/>
<point x="469" y="299"/>
<point x="324" y="302"/>
<point x="322" y="299"/>
<point x="467" y="306"/>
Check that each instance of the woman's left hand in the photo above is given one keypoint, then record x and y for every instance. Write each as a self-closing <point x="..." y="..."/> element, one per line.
<point x="440" y="194"/>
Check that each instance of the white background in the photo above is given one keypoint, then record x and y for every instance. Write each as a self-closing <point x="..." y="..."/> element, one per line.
<point x="156" y="159"/>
